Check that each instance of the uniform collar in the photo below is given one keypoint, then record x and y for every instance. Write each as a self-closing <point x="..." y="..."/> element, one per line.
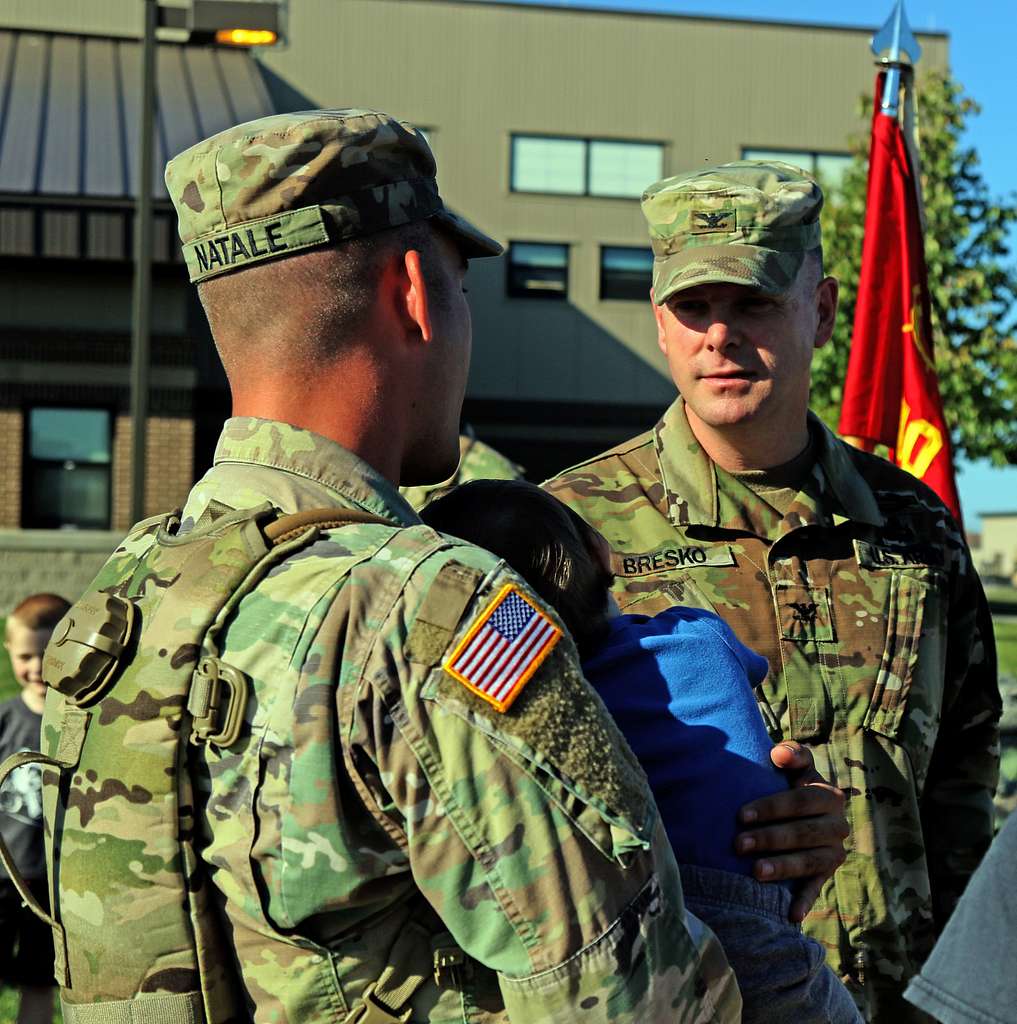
<point x="294" y="468"/>
<point x="695" y="496"/>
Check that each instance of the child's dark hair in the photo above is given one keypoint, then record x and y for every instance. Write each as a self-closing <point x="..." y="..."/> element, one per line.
<point x="542" y="539"/>
<point x="40" y="611"/>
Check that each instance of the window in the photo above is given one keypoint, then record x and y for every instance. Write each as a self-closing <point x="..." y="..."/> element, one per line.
<point x="548" y="165"/>
<point x="625" y="272"/>
<point x="537" y="270"/>
<point x="623" y="168"/>
<point x="828" y="168"/>
<point x="584" y="167"/>
<point x="67" y="468"/>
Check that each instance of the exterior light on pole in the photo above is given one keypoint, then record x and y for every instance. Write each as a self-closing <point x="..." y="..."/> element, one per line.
<point x="226" y="22"/>
<point x="246" y="37"/>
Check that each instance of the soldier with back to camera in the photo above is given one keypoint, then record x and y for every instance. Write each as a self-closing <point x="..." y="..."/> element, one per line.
<point x="371" y="836"/>
<point x="847" y="573"/>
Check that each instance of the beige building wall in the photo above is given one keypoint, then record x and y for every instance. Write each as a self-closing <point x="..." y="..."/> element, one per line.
<point x="997" y="555"/>
<point x="474" y="73"/>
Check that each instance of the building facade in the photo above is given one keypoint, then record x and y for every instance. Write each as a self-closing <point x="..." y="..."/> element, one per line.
<point x="546" y="122"/>
<point x="996" y="556"/>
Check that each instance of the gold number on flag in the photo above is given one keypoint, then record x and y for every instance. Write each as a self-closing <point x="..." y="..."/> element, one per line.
<point x="912" y="454"/>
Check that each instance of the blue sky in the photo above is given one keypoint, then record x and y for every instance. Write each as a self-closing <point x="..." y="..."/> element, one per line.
<point x="982" y="34"/>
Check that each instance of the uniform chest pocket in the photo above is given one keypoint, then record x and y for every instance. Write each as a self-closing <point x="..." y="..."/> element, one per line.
<point x="906" y="610"/>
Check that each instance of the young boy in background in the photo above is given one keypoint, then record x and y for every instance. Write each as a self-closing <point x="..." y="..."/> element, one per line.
<point x="680" y="686"/>
<point x="26" y="944"/>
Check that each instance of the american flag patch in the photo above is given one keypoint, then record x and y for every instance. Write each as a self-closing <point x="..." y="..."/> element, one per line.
<point x="503" y="648"/>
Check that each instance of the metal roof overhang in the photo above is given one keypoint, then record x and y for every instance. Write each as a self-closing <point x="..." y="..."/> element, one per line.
<point x="69" y="123"/>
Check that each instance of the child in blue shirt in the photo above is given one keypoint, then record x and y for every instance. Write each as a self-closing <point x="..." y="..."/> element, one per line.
<point x="680" y="686"/>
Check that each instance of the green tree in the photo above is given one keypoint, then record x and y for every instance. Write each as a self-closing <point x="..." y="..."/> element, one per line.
<point x="972" y="278"/>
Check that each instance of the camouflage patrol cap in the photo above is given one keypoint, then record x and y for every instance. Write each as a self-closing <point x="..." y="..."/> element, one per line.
<point x="292" y="182"/>
<point x="749" y="222"/>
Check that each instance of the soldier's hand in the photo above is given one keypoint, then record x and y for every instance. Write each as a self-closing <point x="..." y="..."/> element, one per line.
<point x="799" y="833"/>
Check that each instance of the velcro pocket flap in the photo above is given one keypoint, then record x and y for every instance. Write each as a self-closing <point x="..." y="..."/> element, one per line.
<point x="903" y="633"/>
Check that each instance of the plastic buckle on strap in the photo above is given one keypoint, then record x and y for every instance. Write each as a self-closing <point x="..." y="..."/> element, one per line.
<point x="371" y="1011"/>
<point x="447" y="961"/>
<point x="216" y="702"/>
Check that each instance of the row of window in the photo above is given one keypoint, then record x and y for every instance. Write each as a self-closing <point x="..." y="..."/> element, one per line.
<point x="606" y="167"/>
<point x="540" y="270"/>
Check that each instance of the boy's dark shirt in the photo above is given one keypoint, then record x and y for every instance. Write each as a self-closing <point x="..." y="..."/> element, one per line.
<point x="21" y="796"/>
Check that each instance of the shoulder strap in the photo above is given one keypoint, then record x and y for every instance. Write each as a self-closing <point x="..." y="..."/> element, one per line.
<point x="287" y="528"/>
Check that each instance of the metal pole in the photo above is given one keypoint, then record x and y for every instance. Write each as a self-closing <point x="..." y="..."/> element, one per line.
<point x="141" y="305"/>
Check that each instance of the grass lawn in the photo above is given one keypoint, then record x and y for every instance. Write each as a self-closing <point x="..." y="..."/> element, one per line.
<point x="9" y="1006"/>
<point x="1006" y="645"/>
<point x="1000" y="593"/>
<point x="8" y="687"/>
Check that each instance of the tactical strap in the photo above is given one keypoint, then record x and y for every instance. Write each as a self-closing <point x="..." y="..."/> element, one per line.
<point x="383" y="1000"/>
<point x="161" y="1008"/>
<point x="12" y="763"/>
<point x="219" y="692"/>
<point x="216" y="702"/>
<point x="67" y="756"/>
<point x="287" y="528"/>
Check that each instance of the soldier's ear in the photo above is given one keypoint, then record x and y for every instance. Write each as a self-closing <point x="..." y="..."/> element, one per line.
<point x="827" y="292"/>
<point x="416" y="297"/>
<point x="658" y="315"/>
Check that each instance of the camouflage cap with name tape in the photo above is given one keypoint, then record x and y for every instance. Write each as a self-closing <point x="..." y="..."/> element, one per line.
<point x="291" y="182"/>
<point x="749" y="222"/>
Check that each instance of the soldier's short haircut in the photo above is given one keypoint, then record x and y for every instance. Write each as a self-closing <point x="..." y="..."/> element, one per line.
<point x="542" y="539"/>
<point x="814" y="263"/>
<point x="39" y="611"/>
<point x="329" y="292"/>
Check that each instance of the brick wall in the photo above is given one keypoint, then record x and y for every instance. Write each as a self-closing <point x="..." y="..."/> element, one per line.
<point x="11" y="433"/>
<point x="169" y="472"/>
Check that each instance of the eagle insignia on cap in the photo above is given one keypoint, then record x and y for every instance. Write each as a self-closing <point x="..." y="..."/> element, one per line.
<point x="705" y="221"/>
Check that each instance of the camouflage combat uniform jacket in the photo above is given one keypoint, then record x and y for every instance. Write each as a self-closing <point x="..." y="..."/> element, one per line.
<point x="373" y="804"/>
<point x="864" y="600"/>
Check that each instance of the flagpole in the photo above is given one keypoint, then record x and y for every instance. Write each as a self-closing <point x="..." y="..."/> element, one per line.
<point x="896" y="37"/>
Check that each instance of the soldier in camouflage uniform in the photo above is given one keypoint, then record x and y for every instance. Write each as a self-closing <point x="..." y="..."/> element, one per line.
<point x="477" y="461"/>
<point x="389" y="840"/>
<point x="846" y="572"/>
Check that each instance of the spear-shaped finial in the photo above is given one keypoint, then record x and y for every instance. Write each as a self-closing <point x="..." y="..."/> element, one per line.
<point x="897" y="37"/>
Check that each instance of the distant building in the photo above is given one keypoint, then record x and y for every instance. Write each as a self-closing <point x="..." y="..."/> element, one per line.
<point x="996" y="556"/>
<point x="547" y="122"/>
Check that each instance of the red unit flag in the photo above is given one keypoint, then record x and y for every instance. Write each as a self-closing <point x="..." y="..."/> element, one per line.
<point x="891" y="393"/>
